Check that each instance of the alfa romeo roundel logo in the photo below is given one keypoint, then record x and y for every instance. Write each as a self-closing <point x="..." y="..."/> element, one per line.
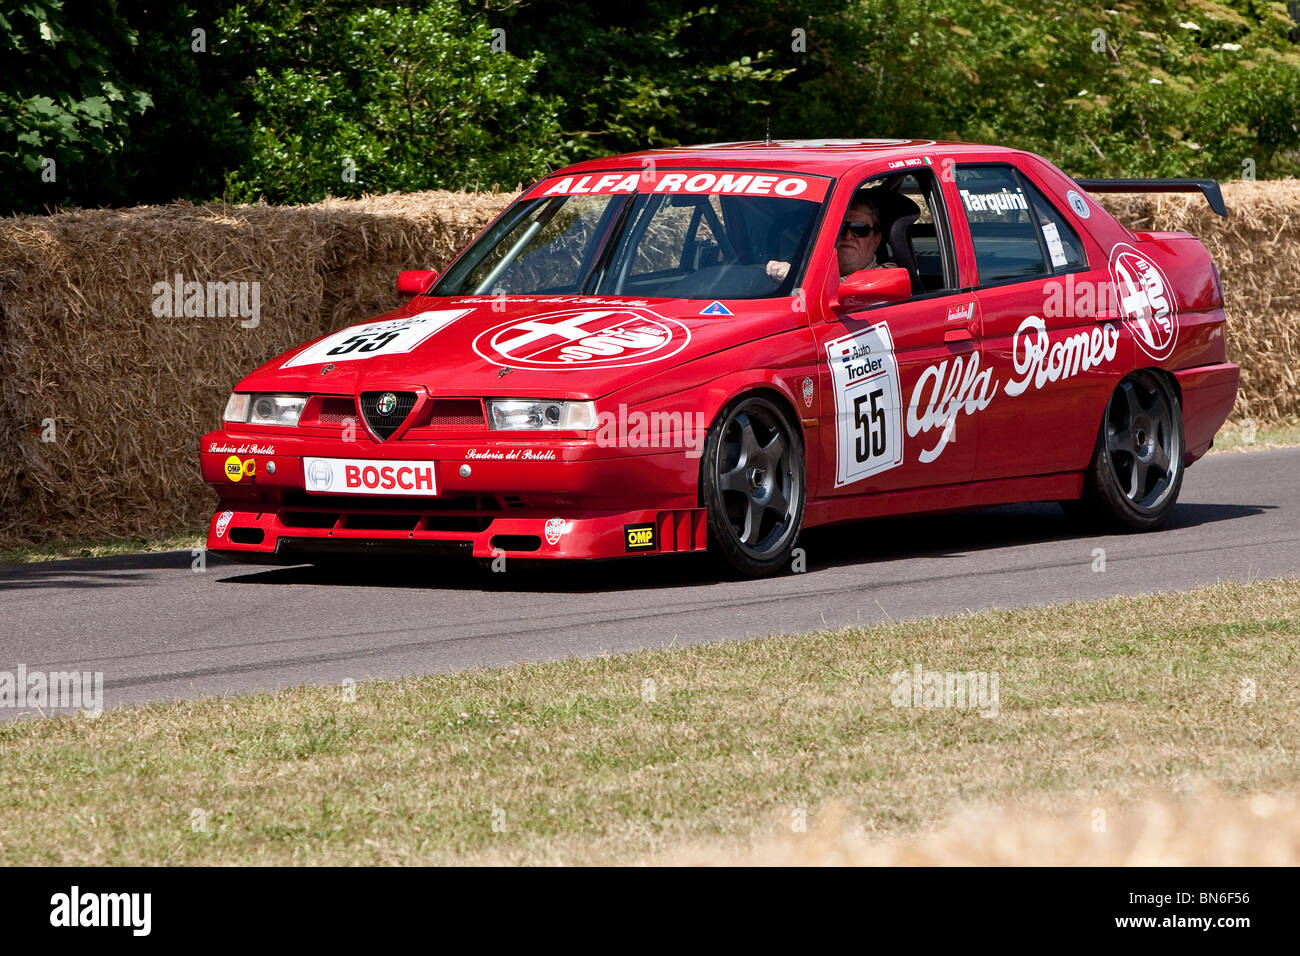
<point x="1145" y="300"/>
<point x="583" y="338"/>
<point x="387" y="402"/>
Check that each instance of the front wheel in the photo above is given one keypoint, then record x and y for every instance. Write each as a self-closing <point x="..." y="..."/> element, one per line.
<point x="753" y="485"/>
<point x="1137" y="464"/>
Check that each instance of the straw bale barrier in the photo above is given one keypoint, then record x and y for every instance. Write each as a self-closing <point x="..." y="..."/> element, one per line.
<point x="125" y="394"/>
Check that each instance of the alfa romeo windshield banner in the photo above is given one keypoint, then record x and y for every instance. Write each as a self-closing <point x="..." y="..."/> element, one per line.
<point x="698" y="182"/>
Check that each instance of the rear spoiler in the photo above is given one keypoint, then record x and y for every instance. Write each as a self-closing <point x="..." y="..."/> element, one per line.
<point x="1209" y="187"/>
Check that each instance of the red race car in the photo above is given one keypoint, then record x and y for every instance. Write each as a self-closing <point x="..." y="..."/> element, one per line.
<point x="715" y="347"/>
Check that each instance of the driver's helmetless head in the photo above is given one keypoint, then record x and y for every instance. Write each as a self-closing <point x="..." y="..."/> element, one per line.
<point x="859" y="238"/>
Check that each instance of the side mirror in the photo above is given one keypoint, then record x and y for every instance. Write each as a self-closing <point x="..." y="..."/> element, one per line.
<point x="869" y="287"/>
<point x="416" y="281"/>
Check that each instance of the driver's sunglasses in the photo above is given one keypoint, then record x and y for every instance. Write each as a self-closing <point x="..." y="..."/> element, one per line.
<point x="859" y="229"/>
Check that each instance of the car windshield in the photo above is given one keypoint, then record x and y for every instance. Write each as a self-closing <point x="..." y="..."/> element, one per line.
<point x="652" y="243"/>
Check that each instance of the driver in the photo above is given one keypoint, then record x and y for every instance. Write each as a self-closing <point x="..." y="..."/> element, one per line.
<point x="855" y="246"/>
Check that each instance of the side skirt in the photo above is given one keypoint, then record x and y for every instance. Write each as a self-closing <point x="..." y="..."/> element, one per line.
<point x="975" y="494"/>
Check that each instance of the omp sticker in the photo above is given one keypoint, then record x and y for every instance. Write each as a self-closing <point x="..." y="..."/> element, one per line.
<point x="1145" y="301"/>
<point x="234" y="468"/>
<point x="684" y="181"/>
<point x="386" y="337"/>
<point x="352" y="476"/>
<point x="1054" y="246"/>
<point x="583" y="338"/>
<point x="868" y="409"/>
<point x="639" y="537"/>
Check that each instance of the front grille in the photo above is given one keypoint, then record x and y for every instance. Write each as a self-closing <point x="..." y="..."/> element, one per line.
<point x="384" y="425"/>
<point x="456" y="414"/>
<point x="337" y="411"/>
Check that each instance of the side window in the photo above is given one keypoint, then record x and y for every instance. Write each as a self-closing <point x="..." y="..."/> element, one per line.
<point x="922" y="244"/>
<point x="1003" y="227"/>
<point x="1063" y="246"/>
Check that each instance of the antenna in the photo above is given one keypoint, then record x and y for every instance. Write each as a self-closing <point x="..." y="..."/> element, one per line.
<point x="767" y="136"/>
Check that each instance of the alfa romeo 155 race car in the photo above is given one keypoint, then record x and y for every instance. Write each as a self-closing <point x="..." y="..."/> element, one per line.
<point x="666" y="352"/>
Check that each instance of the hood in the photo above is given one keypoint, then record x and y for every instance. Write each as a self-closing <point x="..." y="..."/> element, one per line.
<point x="553" y="346"/>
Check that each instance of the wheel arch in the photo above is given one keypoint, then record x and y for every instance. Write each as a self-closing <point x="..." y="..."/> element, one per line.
<point x="774" y="389"/>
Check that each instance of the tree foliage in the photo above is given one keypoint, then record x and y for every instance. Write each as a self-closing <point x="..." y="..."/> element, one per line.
<point x="293" y="100"/>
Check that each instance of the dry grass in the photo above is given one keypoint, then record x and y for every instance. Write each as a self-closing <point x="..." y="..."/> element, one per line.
<point x="1100" y="705"/>
<point x="1250" y="436"/>
<point x="1203" y="828"/>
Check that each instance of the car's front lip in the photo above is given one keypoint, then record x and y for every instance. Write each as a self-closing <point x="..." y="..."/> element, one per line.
<point x="509" y="484"/>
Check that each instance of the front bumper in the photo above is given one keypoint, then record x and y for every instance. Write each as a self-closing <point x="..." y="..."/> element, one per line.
<point x="562" y="499"/>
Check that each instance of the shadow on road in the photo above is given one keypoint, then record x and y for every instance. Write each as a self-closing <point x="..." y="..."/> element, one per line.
<point x="866" y="542"/>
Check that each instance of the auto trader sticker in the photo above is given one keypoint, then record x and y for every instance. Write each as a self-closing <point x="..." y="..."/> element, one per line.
<point x="583" y="338"/>
<point x="386" y="337"/>
<point x="868" y="409"/>
<point x="1146" y="304"/>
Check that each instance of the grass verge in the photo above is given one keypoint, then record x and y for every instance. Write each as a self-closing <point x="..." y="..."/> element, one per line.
<point x="618" y="759"/>
<point x="1247" y="436"/>
<point x="62" y="550"/>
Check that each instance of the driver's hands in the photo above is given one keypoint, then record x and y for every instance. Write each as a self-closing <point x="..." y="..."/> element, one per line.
<point x="777" y="269"/>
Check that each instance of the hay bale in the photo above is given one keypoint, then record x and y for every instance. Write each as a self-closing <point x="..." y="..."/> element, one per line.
<point x="128" y="392"/>
<point x="1257" y="250"/>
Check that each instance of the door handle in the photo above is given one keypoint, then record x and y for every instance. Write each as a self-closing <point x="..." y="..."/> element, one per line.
<point x="962" y="334"/>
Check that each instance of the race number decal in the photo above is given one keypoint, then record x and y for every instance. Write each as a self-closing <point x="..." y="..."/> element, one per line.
<point x="868" y="409"/>
<point x="388" y="337"/>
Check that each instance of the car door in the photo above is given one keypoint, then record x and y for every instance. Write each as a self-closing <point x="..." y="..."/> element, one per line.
<point x="1046" y="337"/>
<point x="892" y="374"/>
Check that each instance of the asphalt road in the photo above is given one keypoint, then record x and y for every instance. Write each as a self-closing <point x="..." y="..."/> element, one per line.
<point x="159" y="630"/>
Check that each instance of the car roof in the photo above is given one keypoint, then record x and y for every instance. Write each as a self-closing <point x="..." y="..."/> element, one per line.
<point x="829" y="157"/>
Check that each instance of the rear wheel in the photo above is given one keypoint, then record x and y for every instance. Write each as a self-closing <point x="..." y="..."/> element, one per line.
<point x="753" y="485"/>
<point x="1137" y="464"/>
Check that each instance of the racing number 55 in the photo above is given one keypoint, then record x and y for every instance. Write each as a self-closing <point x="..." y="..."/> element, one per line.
<point x="363" y="343"/>
<point x="873" y="430"/>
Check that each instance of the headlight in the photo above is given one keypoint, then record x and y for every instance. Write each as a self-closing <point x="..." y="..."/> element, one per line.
<point x="528" y="415"/>
<point x="265" y="409"/>
<point x="237" y="408"/>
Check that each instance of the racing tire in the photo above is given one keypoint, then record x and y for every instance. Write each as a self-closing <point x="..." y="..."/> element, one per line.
<point x="1137" y="465"/>
<point x="753" y="485"/>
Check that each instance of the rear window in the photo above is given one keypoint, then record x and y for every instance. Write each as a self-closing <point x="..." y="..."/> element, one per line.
<point x="1016" y="232"/>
